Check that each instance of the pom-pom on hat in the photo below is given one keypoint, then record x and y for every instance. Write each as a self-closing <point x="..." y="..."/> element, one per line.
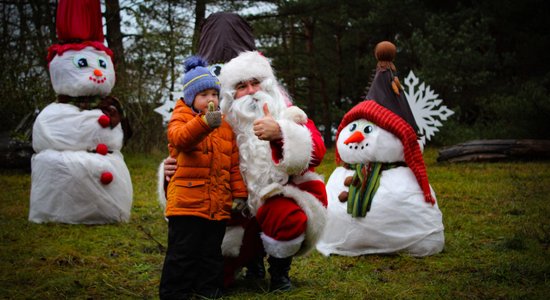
<point x="385" y="118"/>
<point x="385" y="53"/>
<point x="197" y="78"/>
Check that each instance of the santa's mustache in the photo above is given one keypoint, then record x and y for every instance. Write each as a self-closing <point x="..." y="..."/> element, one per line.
<point x="247" y="107"/>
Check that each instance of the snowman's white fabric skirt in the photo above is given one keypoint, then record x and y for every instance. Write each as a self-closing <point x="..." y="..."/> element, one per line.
<point x="66" y="188"/>
<point x="399" y="221"/>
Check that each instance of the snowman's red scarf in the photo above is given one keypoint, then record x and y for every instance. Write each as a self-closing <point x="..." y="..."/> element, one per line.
<point x="364" y="184"/>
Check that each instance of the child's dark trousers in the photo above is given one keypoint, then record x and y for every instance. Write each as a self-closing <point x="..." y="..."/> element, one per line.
<point x="193" y="262"/>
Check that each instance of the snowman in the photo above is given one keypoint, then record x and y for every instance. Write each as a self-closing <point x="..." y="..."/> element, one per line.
<point x="78" y="172"/>
<point x="381" y="202"/>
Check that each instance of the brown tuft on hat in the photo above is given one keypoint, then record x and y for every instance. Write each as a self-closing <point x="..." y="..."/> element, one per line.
<point x="385" y="54"/>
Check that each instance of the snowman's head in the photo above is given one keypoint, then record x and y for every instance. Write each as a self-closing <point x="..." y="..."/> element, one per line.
<point x="362" y="141"/>
<point x="86" y="72"/>
<point x="370" y="132"/>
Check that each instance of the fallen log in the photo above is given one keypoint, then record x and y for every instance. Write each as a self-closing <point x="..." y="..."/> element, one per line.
<point x="496" y="150"/>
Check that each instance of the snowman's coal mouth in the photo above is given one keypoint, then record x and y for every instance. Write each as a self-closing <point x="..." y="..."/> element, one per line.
<point x="357" y="146"/>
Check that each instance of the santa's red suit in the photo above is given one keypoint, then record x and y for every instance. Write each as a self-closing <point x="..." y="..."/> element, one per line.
<point x="286" y="196"/>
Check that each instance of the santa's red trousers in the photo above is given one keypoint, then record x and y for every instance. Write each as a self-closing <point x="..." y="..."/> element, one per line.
<point x="280" y="218"/>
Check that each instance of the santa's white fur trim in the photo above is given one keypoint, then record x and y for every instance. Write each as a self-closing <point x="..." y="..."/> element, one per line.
<point x="281" y="249"/>
<point x="316" y="218"/>
<point x="270" y="191"/>
<point x="297" y="147"/>
<point x="295" y="114"/>
<point x="246" y="66"/>
<point x="161" y="194"/>
<point x="232" y="241"/>
<point x="308" y="176"/>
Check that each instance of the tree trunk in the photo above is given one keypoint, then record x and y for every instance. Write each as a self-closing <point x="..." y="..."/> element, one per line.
<point x="200" y="11"/>
<point x="43" y="16"/>
<point x="172" y="50"/>
<point x="114" y="38"/>
<point x="309" y="28"/>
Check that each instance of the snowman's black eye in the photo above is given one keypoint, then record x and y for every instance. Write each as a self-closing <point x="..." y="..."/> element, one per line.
<point x="215" y="69"/>
<point x="368" y="129"/>
<point x="353" y="127"/>
<point x="80" y="61"/>
<point x="102" y="62"/>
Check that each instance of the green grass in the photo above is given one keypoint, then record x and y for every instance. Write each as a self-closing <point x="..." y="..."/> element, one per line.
<point x="497" y="230"/>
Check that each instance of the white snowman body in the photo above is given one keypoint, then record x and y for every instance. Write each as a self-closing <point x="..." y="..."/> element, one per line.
<point x="399" y="219"/>
<point x="67" y="170"/>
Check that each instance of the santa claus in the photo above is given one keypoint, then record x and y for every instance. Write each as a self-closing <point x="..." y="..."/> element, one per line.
<point x="279" y="148"/>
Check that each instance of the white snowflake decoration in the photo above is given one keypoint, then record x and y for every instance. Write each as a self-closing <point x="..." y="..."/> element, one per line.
<point x="166" y="109"/>
<point x="424" y="102"/>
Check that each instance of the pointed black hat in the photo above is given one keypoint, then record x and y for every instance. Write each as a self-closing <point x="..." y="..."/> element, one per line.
<point x="223" y="36"/>
<point x="386" y="89"/>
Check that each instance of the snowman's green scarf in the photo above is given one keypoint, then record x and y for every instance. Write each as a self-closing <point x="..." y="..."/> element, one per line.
<point x="364" y="184"/>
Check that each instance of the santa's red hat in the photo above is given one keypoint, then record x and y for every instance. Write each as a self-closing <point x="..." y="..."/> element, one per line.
<point x="386" y="119"/>
<point x="79" y="25"/>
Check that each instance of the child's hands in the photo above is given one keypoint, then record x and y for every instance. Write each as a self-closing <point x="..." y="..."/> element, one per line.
<point x="212" y="117"/>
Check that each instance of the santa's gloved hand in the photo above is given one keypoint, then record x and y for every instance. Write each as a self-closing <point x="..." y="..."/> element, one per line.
<point x="212" y="117"/>
<point x="239" y="207"/>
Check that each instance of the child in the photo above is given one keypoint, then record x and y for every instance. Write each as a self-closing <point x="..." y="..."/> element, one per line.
<point x="200" y="194"/>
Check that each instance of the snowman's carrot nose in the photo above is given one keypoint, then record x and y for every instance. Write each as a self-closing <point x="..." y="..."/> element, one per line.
<point x="356" y="137"/>
<point x="97" y="72"/>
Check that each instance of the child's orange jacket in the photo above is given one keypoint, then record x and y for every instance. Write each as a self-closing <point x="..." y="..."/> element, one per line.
<point x="208" y="175"/>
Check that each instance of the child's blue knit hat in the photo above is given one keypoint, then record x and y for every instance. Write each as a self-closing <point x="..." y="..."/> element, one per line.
<point x="197" y="78"/>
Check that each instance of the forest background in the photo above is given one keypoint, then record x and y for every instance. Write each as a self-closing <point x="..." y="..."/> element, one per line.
<point x="488" y="60"/>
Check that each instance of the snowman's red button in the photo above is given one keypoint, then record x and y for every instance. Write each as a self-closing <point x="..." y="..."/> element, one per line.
<point x="104" y="121"/>
<point x="101" y="149"/>
<point x="106" y="177"/>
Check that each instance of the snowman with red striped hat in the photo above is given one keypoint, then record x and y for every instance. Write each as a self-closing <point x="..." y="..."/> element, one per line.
<point x="381" y="202"/>
<point x="78" y="172"/>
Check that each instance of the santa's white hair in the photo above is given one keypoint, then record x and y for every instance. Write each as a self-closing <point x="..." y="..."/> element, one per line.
<point x="255" y="154"/>
<point x="257" y="166"/>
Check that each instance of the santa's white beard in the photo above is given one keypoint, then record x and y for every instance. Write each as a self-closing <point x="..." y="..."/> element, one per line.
<point x="256" y="163"/>
<point x="244" y="110"/>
